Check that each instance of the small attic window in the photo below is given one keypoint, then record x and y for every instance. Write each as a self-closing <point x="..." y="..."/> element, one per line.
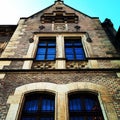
<point x="59" y="8"/>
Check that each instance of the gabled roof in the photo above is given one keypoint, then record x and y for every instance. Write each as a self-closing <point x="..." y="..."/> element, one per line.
<point x="65" y="6"/>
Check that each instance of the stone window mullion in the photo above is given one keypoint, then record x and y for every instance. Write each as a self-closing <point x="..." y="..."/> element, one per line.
<point x="60" y="52"/>
<point x="61" y="106"/>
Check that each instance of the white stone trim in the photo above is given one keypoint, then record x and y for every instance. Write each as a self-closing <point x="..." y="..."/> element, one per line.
<point x="31" y="53"/>
<point x="60" y="52"/>
<point x="61" y="92"/>
<point x="2" y="75"/>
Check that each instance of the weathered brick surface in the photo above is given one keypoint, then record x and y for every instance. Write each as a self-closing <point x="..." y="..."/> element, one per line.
<point x="13" y="80"/>
<point x="19" y="45"/>
<point x="14" y="65"/>
<point x="101" y="44"/>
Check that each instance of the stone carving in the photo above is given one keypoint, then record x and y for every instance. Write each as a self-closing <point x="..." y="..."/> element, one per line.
<point x="76" y="65"/>
<point x="44" y="65"/>
<point x="60" y="27"/>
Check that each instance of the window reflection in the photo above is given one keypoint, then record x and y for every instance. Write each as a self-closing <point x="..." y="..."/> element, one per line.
<point x="46" y="49"/>
<point x="84" y="106"/>
<point x="74" y="49"/>
<point x="38" y="105"/>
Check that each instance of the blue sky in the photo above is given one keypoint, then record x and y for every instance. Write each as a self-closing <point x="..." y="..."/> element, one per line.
<point x="12" y="10"/>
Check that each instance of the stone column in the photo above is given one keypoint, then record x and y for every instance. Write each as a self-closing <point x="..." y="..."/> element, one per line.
<point x="31" y="53"/>
<point x="60" y="62"/>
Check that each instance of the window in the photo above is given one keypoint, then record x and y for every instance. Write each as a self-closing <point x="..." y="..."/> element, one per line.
<point x="84" y="106"/>
<point x="60" y="49"/>
<point x="46" y="49"/>
<point x="38" y="106"/>
<point x="74" y="49"/>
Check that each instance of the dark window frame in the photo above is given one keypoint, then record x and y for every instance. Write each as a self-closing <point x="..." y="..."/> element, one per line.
<point x="39" y="113"/>
<point x="82" y="113"/>
<point x="47" y="40"/>
<point x="72" y="40"/>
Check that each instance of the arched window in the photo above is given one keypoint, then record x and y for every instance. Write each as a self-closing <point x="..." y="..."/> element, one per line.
<point x="84" y="106"/>
<point x="38" y="106"/>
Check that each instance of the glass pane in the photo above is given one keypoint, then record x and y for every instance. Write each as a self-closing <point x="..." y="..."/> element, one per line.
<point x="44" y="104"/>
<point x="52" y="105"/>
<point x="51" y="51"/>
<point x="69" y="51"/>
<point x="90" y="104"/>
<point x="50" y="57"/>
<point x="40" y="57"/>
<point x="31" y="106"/>
<point x="77" y="43"/>
<point x="76" y="118"/>
<point x="79" y="51"/>
<point x="70" y="57"/>
<point x="75" y="105"/>
<point x="47" y="105"/>
<point x="28" y="118"/>
<point x="42" y="43"/>
<point x="47" y="118"/>
<point x="41" y="51"/>
<point x="95" y="118"/>
<point x="80" y="57"/>
<point x="68" y="43"/>
<point x="51" y="43"/>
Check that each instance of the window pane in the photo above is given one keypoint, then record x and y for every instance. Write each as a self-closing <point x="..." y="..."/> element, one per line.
<point x="31" y="106"/>
<point x="77" y="43"/>
<point x="69" y="51"/>
<point x="80" y="57"/>
<point x="47" y="105"/>
<point x="84" y="106"/>
<point x="76" y="118"/>
<point x="70" y="57"/>
<point x="47" y="118"/>
<point x="38" y="106"/>
<point x="51" y="43"/>
<point x="68" y="43"/>
<point x="28" y="119"/>
<point x="51" y="51"/>
<point x="90" y="104"/>
<point x="75" y="105"/>
<point x="50" y="57"/>
<point x="41" y="51"/>
<point x="73" y="49"/>
<point x="42" y="43"/>
<point x="40" y="57"/>
<point x="79" y="51"/>
<point x="46" y="49"/>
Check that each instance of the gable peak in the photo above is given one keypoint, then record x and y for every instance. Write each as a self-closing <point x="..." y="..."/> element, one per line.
<point x="58" y="1"/>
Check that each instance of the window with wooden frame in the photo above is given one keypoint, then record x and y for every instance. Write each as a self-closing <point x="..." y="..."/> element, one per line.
<point x="84" y="106"/>
<point x="38" y="106"/>
<point x="74" y="49"/>
<point x="46" y="49"/>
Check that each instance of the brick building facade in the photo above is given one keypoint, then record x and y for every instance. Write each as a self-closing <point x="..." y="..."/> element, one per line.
<point x="64" y="52"/>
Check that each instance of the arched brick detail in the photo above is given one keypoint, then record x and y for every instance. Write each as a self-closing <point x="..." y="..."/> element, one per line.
<point x="41" y="86"/>
<point x="86" y="86"/>
<point x="61" y="91"/>
<point x="71" y="87"/>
